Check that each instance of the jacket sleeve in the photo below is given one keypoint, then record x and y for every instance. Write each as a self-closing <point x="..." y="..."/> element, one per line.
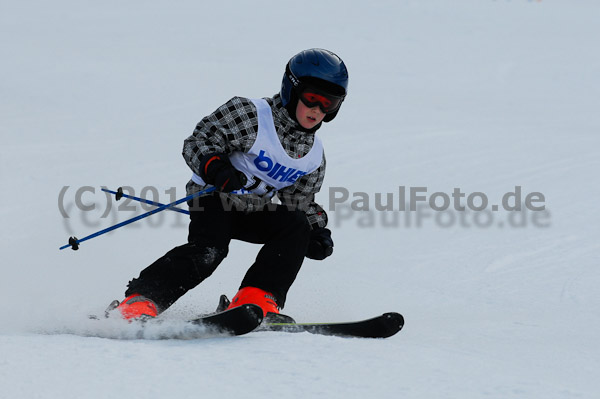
<point x="232" y="127"/>
<point x="301" y="195"/>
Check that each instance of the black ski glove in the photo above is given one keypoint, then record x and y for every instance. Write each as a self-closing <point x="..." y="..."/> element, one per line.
<point x="320" y="245"/>
<point x="216" y="169"/>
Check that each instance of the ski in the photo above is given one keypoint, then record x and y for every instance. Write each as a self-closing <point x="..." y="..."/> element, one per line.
<point x="383" y="326"/>
<point x="237" y="321"/>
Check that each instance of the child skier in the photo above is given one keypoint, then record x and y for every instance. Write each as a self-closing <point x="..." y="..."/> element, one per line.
<point x="251" y="151"/>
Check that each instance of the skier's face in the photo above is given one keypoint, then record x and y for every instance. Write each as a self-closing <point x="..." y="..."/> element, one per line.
<point x="309" y="117"/>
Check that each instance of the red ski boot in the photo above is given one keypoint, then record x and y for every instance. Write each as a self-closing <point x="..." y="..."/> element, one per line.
<point x="135" y="307"/>
<point x="256" y="296"/>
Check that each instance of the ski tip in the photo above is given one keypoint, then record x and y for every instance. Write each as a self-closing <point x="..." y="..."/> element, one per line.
<point x="235" y="321"/>
<point x="249" y="316"/>
<point x="394" y="322"/>
<point x="254" y="310"/>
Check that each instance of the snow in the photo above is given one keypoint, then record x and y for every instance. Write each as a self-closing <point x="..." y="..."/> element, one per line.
<point x="478" y="95"/>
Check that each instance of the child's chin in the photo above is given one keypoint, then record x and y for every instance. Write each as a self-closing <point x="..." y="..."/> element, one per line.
<point x="309" y="124"/>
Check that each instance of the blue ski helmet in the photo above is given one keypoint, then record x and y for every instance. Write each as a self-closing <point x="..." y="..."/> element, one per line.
<point x="315" y="67"/>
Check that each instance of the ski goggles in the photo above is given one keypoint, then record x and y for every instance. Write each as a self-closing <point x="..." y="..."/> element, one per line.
<point x="328" y="103"/>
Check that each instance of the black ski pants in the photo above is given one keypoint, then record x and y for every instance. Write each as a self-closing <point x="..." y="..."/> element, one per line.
<point x="283" y="232"/>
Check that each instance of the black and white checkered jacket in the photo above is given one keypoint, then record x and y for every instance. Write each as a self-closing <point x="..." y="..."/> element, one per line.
<point x="234" y="127"/>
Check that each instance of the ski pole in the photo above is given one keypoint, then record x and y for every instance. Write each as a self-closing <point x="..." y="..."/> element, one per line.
<point x="120" y="194"/>
<point x="74" y="241"/>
